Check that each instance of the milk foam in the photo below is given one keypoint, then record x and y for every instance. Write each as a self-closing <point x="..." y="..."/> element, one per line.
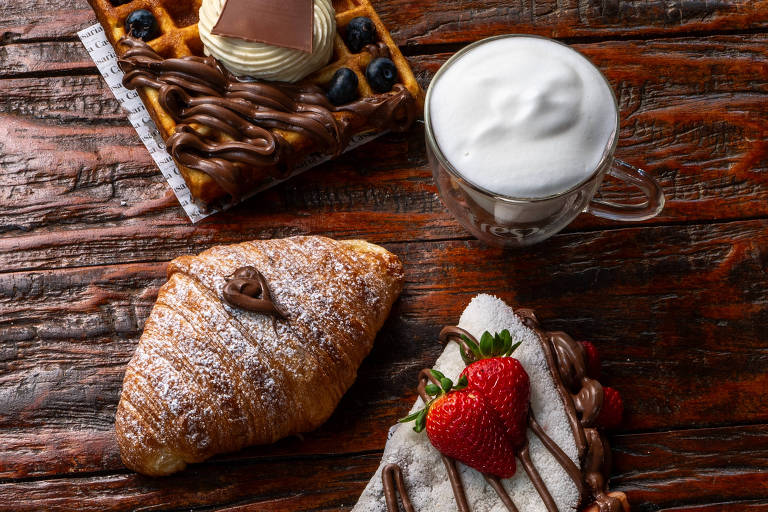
<point x="522" y="116"/>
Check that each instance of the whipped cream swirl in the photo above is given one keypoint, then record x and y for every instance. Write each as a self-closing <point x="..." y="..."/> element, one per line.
<point x="264" y="61"/>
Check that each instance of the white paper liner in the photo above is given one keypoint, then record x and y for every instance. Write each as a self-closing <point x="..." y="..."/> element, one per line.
<point x="99" y="48"/>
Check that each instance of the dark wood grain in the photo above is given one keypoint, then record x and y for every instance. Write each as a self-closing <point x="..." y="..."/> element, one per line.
<point x="44" y="58"/>
<point x="746" y="506"/>
<point x="676" y="306"/>
<point x="662" y="468"/>
<point x="304" y="483"/>
<point x="89" y="171"/>
<point x="695" y="320"/>
<point x="693" y="468"/>
<point x="439" y="22"/>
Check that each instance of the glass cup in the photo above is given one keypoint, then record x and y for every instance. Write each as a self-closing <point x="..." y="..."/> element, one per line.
<point x="519" y="221"/>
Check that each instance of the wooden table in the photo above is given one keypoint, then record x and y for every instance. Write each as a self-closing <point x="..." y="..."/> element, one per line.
<point x="678" y="306"/>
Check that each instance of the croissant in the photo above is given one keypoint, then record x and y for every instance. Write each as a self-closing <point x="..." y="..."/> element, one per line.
<point x="250" y="343"/>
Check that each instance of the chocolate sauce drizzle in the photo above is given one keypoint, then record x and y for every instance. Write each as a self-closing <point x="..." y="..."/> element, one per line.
<point x="582" y="397"/>
<point x="247" y="289"/>
<point x="394" y="474"/>
<point x="204" y="100"/>
<point x="425" y="376"/>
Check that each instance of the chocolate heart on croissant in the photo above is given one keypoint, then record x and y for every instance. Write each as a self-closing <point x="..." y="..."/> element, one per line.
<point x="250" y="343"/>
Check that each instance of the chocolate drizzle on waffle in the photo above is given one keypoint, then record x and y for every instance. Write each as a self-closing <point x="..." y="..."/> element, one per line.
<point x="203" y="98"/>
<point x="582" y="398"/>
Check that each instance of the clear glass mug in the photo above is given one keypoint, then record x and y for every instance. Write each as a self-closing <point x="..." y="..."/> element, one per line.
<point x="518" y="221"/>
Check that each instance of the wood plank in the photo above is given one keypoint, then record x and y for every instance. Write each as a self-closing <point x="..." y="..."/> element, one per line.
<point x="704" y="142"/>
<point x="302" y="484"/>
<point x="90" y="168"/>
<point x="43" y="19"/>
<point x="677" y="311"/>
<point x="677" y="314"/>
<point x="697" y="470"/>
<point x="44" y="57"/>
<point x="678" y="471"/>
<point x="84" y="100"/>
<point x="438" y="22"/>
<point x="93" y="177"/>
<point x="46" y="452"/>
<point x="746" y="506"/>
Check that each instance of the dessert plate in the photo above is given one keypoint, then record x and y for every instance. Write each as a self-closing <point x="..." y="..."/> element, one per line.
<point x="564" y="404"/>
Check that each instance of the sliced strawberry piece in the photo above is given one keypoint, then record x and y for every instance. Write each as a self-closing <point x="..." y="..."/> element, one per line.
<point x="592" y="359"/>
<point x="462" y="425"/>
<point x="505" y="385"/>
<point x="612" y="410"/>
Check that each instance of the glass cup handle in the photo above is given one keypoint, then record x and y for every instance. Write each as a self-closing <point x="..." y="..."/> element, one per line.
<point x="630" y="175"/>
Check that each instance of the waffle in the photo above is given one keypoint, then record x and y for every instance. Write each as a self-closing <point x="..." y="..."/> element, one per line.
<point x="179" y="37"/>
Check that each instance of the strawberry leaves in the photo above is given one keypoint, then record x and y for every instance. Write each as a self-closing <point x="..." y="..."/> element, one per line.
<point x="446" y="384"/>
<point x="419" y="416"/>
<point x="433" y="390"/>
<point x="487" y="342"/>
<point x="491" y="345"/>
<point x="474" y="349"/>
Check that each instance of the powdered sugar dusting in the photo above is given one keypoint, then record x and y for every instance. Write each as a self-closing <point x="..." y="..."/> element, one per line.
<point x="209" y="378"/>
<point x="423" y="471"/>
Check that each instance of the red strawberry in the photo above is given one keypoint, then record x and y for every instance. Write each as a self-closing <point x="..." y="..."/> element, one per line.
<point x="612" y="410"/>
<point x="461" y="425"/>
<point x="505" y="385"/>
<point x="483" y="419"/>
<point x="592" y="359"/>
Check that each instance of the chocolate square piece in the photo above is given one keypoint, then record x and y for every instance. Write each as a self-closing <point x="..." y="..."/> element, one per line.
<point x="286" y="23"/>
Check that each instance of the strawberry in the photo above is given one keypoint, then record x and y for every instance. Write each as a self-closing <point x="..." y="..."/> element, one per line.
<point x="592" y="359"/>
<point x="504" y="384"/>
<point x="612" y="410"/>
<point x="460" y="424"/>
<point x="483" y="419"/>
<point x="501" y="380"/>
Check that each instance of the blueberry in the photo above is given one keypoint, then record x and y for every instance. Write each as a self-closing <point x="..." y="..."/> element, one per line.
<point x="360" y="32"/>
<point x="381" y="74"/>
<point x="142" y="24"/>
<point x="343" y="88"/>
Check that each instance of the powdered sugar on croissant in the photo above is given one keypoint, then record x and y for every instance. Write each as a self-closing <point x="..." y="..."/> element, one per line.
<point x="209" y="377"/>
